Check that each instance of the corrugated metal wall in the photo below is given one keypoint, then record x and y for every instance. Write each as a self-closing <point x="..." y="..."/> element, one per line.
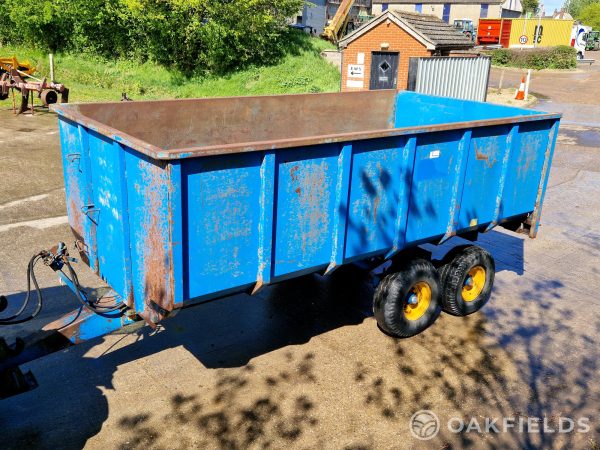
<point x="554" y="32"/>
<point x="465" y="78"/>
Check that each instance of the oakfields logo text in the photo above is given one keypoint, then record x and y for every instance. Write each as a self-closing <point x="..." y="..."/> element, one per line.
<point x="425" y="425"/>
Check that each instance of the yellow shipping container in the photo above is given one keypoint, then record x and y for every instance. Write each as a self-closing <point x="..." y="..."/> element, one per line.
<point x="553" y="32"/>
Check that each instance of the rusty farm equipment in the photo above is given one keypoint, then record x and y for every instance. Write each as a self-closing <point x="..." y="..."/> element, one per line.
<point x="7" y="64"/>
<point x="147" y="181"/>
<point x="18" y="77"/>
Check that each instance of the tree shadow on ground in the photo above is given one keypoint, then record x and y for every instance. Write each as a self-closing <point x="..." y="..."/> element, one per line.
<point x="529" y="359"/>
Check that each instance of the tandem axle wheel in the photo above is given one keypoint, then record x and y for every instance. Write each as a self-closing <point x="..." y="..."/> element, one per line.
<point x="410" y="298"/>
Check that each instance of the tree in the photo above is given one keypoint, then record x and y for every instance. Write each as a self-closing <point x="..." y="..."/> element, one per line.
<point x="192" y="36"/>
<point x="45" y="24"/>
<point x="590" y="15"/>
<point x="530" y="6"/>
<point x="574" y="7"/>
<point x="239" y="33"/>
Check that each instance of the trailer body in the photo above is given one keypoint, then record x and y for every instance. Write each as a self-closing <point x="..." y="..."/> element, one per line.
<point x="521" y="33"/>
<point x="494" y="32"/>
<point x="548" y="32"/>
<point x="179" y="201"/>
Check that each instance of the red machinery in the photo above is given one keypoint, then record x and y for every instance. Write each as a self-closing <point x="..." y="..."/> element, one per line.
<point x="13" y="79"/>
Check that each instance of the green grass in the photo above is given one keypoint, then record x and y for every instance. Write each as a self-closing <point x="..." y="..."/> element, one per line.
<point x="93" y="79"/>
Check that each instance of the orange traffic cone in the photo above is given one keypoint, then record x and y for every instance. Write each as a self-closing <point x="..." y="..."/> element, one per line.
<point x="520" y="95"/>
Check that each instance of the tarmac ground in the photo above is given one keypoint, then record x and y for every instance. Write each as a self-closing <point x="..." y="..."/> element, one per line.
<point x="303" y="364"/>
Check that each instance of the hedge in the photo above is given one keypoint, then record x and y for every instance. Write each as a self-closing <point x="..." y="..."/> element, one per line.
<point x="193" y="36"/>
<point x="561" y="57"/>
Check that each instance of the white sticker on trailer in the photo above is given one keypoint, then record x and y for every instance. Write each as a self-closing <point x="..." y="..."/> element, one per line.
<point x="434" y="154"/>
<point x="355" y="84"/>
<point x="356" y="71"/>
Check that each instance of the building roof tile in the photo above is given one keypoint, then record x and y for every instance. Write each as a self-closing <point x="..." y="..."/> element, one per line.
<point x="440" y="33"/>
<point x="430" y="30"/>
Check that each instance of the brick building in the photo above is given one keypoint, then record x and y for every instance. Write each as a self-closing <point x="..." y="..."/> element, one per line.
<point x="376" y="56"/>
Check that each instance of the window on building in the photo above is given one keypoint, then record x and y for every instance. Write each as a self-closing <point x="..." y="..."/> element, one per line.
<point x="384" y="6"/>
<point x="419" y="7"/>
<point x="446" y="13"/>
<point x="484" y="11"/>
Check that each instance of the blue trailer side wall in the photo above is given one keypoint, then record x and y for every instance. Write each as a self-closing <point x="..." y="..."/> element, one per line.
<point x="162" y="232"/>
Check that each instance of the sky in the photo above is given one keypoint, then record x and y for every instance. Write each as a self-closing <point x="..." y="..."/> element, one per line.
<point x="551" y="5"/>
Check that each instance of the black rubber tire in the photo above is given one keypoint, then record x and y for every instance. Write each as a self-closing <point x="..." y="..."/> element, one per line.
<point x="392" y="292"/>
<point x="453" y="275"/>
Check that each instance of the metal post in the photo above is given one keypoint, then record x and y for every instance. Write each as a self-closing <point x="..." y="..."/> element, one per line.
<point x="527" y="83"/>
<point x="51" y="57"/>
<point x="537" y="32"/>
<point x="501" y="82"/>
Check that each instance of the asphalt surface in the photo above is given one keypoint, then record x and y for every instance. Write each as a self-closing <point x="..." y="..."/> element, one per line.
<point x="303" y="364"/>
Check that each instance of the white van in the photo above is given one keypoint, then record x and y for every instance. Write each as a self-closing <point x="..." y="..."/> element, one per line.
<point x="579" y="36"/>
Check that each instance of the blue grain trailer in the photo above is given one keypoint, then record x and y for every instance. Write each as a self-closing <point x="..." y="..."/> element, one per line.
<point x="176" y="202"/>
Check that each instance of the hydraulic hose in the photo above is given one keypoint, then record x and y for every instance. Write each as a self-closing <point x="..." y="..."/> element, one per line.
<point x="56" y="262"/>
<point x="86" y="303"/>
<point x="16" y="317"/>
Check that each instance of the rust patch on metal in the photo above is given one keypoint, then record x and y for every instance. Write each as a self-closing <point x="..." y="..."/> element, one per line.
<point x="80" y="245"/>
<point x="69" y="325"/>
<point x="312" y="192"/>
<point x="293" y="174"/>
<point x="75" y="214"/>
<point x="77" y="218"/>
<point x="258" y="286"/>
<point x="483" y="157"/>
<point x="157" y="296"/>
<point x="376" y="203"/>
<point x="213" y="126"/>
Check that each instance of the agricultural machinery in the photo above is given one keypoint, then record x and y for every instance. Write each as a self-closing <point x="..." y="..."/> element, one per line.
<point x="16" y="76"/>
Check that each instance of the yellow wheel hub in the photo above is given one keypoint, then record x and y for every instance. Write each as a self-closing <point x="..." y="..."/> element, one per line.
<point x="418" y="301"/>
<point x="474" y="284"/>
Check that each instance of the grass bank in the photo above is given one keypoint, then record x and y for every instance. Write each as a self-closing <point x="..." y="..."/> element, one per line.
<point x="93" y="79"/>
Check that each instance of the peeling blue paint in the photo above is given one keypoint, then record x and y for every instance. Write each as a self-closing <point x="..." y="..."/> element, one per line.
<point x="167" y="232"/>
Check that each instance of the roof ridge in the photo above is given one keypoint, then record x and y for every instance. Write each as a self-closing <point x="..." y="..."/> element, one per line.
<point x="425" y="27"/>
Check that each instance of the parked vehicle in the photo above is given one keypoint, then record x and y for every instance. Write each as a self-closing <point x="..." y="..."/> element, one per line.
<point x="176" y="202"/>
<point x="579" y="37"/>
<point x="466" y="27"/>
<point x="524" y="33"/>
<point x="593" y="40"/>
